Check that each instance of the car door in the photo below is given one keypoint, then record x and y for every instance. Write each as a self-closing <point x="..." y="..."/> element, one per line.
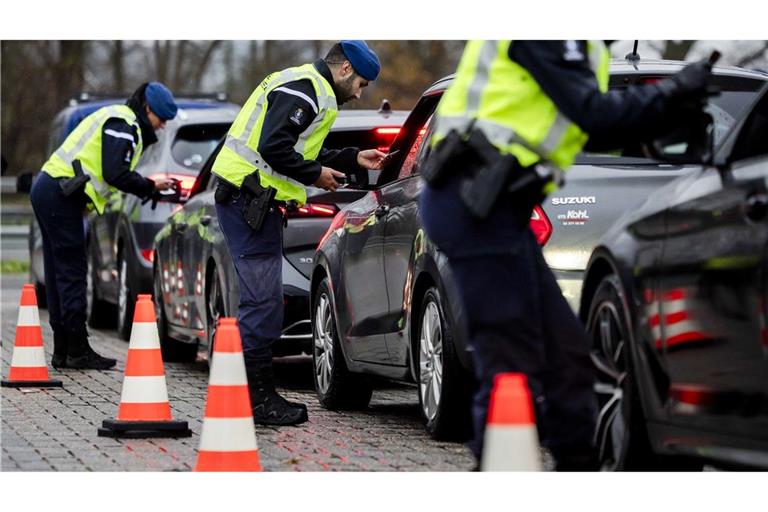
<point x="362" y="280"/>
<point x="711" y="291"/>
<point x="193" y="247"/>
<point x="402" y="234"/>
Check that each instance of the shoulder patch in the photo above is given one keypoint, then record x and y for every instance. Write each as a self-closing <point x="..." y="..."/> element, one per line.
<point x="297" y="116"/>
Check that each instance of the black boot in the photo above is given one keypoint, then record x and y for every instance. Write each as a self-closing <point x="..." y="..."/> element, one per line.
<point x="59" y="359"/>
<point x="81" y="355"/>
<point x="269" y="408"/>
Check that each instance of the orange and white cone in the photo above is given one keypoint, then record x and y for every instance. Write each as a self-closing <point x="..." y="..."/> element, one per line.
<point x="28" y="366"/>
<point x="228" y="441"/>
<point x="511" y="441"/>
<point x="144" y="408"/>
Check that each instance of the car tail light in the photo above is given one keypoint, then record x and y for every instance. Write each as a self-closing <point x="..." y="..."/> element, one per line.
<point x="187" y="182"/>
<point x="336" y="223"/>
<point x="312" y="210"/>
<point x="148" y="254"/>
<point x="540" y="225"/>
<point x="385" y="135"/>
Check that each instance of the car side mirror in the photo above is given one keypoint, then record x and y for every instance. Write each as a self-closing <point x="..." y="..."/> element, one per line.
<point x="691" y="143"/>
<point x="24" y="183"/>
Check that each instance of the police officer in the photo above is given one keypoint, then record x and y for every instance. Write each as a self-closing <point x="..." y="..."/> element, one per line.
<point x="97" y="158"/>
<point x="522" y="111"/>
<point x="272" y="152"/>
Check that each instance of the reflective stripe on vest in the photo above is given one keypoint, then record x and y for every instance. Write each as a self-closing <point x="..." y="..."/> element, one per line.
<point x="240" y="156"/>
<point x="59" y="165"/>
<point x="562" y="136"/>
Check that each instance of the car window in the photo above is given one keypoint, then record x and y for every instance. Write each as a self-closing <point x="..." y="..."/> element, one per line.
<point x="415" y="154"/>
<point x="193" y="144"/>
<point x="726" y="110"/>
<point x="753" y="138"/>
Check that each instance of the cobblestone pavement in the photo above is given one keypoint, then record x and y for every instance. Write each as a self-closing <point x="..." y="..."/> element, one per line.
<point x="55" y="429"/>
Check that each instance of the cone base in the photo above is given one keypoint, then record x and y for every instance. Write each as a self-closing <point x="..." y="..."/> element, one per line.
<point x="31" y="384"/>
<point x="140" y="429"/>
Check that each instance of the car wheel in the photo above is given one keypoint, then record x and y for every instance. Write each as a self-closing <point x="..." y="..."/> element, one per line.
<point x="445" y="387"/>
<point x="100" y="313"/>
<point x="335" y="385"/>
<point x="172" y="350"/>
<point x="126" y="300"/>
<point x="214" y="305"/>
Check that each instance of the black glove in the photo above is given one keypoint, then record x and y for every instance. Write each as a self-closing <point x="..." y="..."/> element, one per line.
<point x="689" y="83"/>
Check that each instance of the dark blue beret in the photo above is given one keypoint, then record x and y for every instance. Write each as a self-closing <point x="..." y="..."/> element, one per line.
<point x="160" y="101"/>
<point x="362" y="58"/>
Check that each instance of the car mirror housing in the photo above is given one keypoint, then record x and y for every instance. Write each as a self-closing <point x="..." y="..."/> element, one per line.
<point x="691" y="143"/>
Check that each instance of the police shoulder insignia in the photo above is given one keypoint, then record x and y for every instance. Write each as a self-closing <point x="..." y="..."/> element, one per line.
<point x="297" y="116"/>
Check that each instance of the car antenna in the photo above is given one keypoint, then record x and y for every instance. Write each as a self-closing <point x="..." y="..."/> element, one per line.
<point x="386" y="108"/>
<point x="634" y="57"/>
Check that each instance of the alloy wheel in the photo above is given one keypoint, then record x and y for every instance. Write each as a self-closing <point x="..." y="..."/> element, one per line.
<point x="608" y="344"/>
<point x="323" y="344"/>
<point x="122" y="295"/>
<point x="430" y="360"/>
<point x="215" y="306"/>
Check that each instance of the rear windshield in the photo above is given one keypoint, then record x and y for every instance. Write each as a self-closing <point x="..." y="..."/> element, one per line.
<point x="194" y="143"/>
<point x="380" y="137"/>
<point x="726" y="109"/>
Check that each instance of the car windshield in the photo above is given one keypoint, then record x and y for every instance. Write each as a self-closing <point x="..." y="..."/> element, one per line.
<point x="193" y="144"/>
<point x="726" y="109"/>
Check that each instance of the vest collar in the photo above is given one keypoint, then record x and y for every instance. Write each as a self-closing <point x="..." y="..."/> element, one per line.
<point x="148" y="136"/>
<point x="325" y="72"/>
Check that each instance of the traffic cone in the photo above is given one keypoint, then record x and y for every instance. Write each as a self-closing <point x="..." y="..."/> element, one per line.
<point x="28" y="366"/>
<point x="511" y="440"/>
<point x="144" y="409"/>
<point x="228" y="441"/>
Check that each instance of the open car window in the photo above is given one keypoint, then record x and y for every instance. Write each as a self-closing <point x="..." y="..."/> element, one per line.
<point x="726" y="110"/>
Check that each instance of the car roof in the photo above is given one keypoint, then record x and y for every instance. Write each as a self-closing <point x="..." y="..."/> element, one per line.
<point x="73" y="114"/>
<point x="622" y="67"/>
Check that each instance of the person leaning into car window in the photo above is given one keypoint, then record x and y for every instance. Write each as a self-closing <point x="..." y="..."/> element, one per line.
<point x="514" y="118"/>
<point x="272" y="152"/>
<point x="97" y="158"/>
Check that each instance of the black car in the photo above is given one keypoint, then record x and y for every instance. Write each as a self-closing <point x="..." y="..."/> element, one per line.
<point x="121" y="240"/>
<point x="675" y="301"/>
<point x="194" y="278"/>
<point x="383" y="301"/>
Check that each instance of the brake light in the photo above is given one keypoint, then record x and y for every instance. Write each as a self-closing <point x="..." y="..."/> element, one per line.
<point x="186" y="182"/>
<point x="148" y="254"/>
<point x="650" y="80"/>
<point x="540" y="225"/>
<point x="385" y="135"/>
<point x="313" y="210"/>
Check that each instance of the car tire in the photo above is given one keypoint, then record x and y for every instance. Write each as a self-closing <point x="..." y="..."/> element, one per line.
<point x="621" y="434"/>
<point x="335" y="385"/>
<point x="214" y="308"/>
<point x="444" y="385"/>
<point x="126" y="299"/>
<point x="171" y="349"/>
<point x="100" y="314"/>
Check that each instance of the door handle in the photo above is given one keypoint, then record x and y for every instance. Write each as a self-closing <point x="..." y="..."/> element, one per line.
<point x="756" y="207"/>
<point x="205" y="220"/>
<point x="382" y="210"/>
<point x="180" y="226"/>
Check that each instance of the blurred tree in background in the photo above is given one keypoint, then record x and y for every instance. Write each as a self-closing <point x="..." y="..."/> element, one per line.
<point x="40" y="77"/>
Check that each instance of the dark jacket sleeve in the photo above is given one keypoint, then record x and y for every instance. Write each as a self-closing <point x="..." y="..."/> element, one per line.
<point x="344" y="160"/>
<point x="118" y="143"/>
<point x="612" y="119"/>
<point x="292" y="108"/>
